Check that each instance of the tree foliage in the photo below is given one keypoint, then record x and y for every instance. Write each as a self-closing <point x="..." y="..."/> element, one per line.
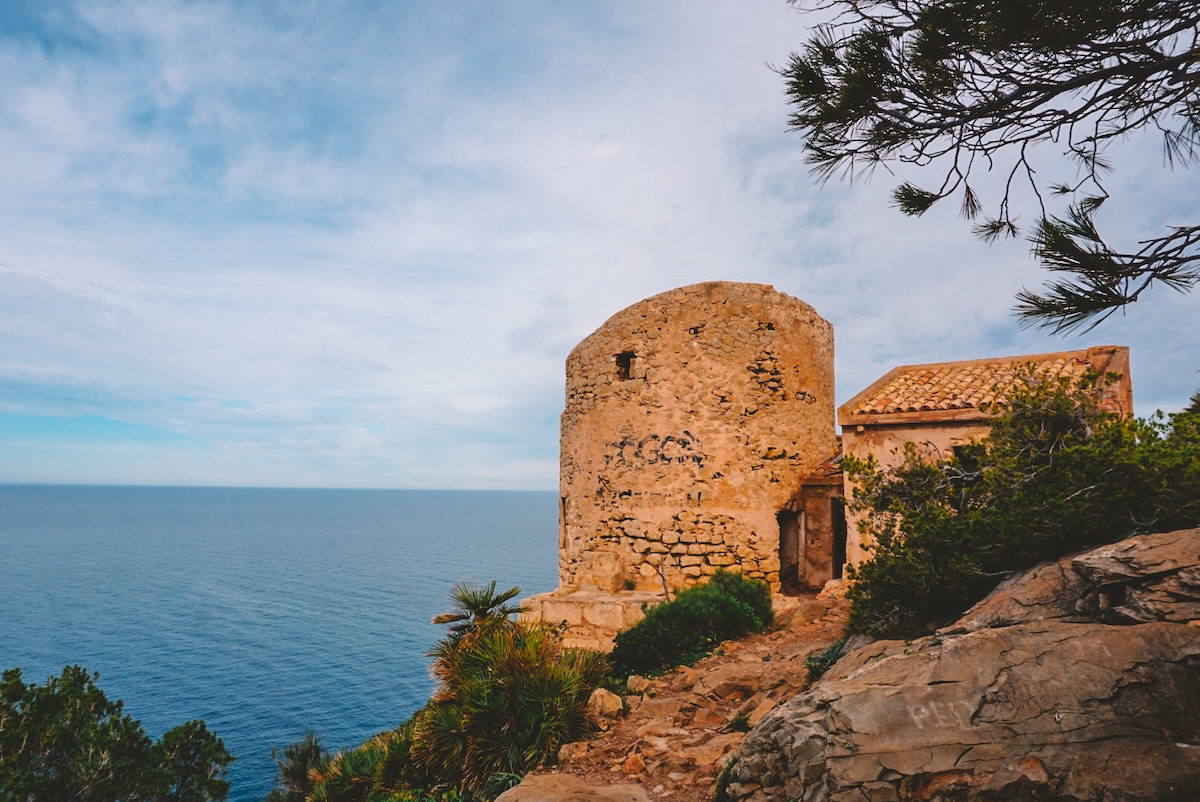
<point x="1056" y="475"/>
<point x="66" y="740"/>
<point x="969" y="86"/>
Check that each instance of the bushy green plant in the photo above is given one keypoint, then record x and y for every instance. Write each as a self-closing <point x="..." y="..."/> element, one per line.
<point x="1056" y="474"/>
<point x="509" y="693"/>
<point x="295" y="762"/>
<point x="690" y="626"/>
<point x="739" y="723"/>
<point x="509" y="697"/>
<point x="721" y="787"/>
<point x="380" y="770"/>
<point x="67" y="740"/>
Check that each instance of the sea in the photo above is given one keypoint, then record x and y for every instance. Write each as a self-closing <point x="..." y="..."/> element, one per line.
<point x="264" y="612"/>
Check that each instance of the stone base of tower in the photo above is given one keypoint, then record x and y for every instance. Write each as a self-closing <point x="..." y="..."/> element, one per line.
<point x="592" y="617"/>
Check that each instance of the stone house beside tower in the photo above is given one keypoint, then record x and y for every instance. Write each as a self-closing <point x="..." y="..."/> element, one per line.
<point x="942" y="405"/>
<point x="698" y="434"/>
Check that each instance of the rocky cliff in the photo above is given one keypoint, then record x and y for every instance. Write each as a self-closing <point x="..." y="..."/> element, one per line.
<point x="1078" y="680"/>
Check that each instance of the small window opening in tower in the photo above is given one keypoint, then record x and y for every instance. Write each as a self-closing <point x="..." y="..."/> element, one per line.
<point x="625" y="364"/>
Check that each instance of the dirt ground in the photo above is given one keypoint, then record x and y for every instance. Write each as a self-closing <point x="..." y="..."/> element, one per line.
<point x="675" y="732"/>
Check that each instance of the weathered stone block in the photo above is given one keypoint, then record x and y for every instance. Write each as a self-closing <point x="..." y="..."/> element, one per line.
<point x="606" y="616"/>
<point x="555" y="611"/>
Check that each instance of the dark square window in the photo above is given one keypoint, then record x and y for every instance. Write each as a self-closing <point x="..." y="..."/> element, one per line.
<point x="624" y="364"/>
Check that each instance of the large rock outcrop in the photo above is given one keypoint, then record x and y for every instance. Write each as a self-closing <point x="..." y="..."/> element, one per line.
<point x="1079" y="680"/>
<point x="565" y="788"/>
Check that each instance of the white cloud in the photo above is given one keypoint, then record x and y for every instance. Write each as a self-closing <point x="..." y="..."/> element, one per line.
<point x="354" y="247"/>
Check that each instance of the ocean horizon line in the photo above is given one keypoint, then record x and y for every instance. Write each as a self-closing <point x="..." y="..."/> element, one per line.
<point x="4" y="484"/>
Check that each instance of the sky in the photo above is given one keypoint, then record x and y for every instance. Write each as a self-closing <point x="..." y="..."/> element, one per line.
<point x="324" y="244"/>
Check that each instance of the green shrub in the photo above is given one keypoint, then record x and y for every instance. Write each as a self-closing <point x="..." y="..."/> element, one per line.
<point x="510" y="697"/>
<point x="739" y="723"/>
<point x="295" y="762"/>
<point x="1055" y="475"/>
<point x="822" y="661"/>
<point x="690" y="626"/>
<point x="67" y="740"/>
<point x="721" y="789"/>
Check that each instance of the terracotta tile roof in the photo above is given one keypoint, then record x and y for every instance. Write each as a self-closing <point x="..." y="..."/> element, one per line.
<point x="951" y="386"/>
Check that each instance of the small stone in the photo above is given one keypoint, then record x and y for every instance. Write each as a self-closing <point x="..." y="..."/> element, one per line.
<point x="659" y="708"/>
<point x="687" y="677"/>
<point x="572" y="751"/>
<point x="713" y="749"/>
<point x="603" y="705"/>
<point x="634" y="764"/>
<point x="637" y="684"/>
<point x="678" y="777"/>
<point x="760" y="711"/>
<point x="654" y="745"/>
<point x="707" y="718"/>
<point x="541" y="787"/>
<point x="661" y="727"/>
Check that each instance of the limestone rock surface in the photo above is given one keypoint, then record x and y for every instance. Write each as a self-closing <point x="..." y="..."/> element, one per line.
<point x="1079" y="680"/>
<point x="568" y="788"/>
<point x="1141" y="579"/>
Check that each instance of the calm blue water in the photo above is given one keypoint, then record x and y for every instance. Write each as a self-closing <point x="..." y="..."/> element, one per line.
<point x="263" y="612"/>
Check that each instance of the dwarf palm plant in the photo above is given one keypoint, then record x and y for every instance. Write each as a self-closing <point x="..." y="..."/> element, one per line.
<point x="509" y="693"/>
<point x="478" y="607"/>
<point x="296" y="761"/>
<point x="349" y="777"/>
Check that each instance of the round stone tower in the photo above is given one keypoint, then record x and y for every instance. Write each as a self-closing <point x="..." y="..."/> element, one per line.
<point x="691" y="420"/>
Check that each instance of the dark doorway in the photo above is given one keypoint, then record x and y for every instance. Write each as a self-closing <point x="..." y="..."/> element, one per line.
<point x="839" y="535"/>
<point x="789" y="551"/>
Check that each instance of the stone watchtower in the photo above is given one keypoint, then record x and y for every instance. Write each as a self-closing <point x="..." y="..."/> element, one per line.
<point x="692" y="419"/>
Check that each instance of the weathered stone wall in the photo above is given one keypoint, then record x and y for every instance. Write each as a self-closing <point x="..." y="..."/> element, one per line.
<point x="691" y="419"/>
